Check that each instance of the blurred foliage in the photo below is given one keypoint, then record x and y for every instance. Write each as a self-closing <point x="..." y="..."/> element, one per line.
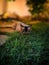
<point x="35" y="6"/>
<point x="27" y="49"/>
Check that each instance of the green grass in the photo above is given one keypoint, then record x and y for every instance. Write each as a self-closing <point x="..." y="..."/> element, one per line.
<point x="27" y="49"/>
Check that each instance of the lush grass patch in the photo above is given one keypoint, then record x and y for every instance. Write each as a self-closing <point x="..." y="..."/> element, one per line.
<point x="27" y="49"/>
